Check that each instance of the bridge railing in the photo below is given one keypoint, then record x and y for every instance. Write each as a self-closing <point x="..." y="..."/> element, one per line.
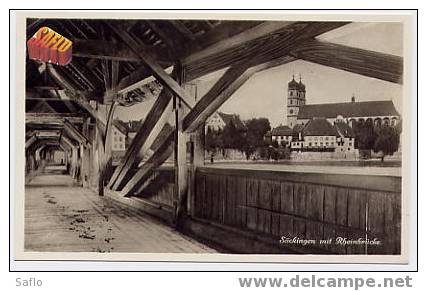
<point x="299" y="206"/>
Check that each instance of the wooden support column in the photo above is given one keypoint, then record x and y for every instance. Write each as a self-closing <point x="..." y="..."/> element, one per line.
<point x="180" y="152"/>
<point x="86" y="156"/>
<point x="197" y="159"/>
<point x="95" y="157"/>
<point x="104" y="150"/>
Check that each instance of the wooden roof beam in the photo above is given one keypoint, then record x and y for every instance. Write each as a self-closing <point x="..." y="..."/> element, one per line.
<point x="179" y="26"/>
<point x="224" y="30"/>
<point x="245" y="36"/>
<point x="30" y="141"/>
<point x="72" y="130"/>
<point x="155" y="68"/>
<point x="107" y="50"/>
<point x="137" y="79"/>
<point x="62" y="80"/>
<point x="223" y="89"/>
<point x="363" y="62"/>
<point x="274" y="45"/>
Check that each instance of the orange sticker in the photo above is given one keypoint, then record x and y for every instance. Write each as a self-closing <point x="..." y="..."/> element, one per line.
<point x="49" y="46"/>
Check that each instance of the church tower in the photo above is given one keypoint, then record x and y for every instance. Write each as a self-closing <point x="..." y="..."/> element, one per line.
<point x="296" y="98"/>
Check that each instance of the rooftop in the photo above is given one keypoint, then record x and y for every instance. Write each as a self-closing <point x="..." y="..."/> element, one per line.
<point x="233" y="118"/>
<point x="282" y="130"/>
<point x="348" y="109"/>
<point x="319" y="127"/>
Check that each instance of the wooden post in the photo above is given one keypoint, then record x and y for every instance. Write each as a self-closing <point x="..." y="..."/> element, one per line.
<point x="197" y="159"/>
<point x="85" y="156"/>
<point x="180" y="153"/>
<point x="104" y="150"/>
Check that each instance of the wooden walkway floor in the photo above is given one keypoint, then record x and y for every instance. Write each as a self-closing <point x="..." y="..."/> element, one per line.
<point x="62" y="217"/>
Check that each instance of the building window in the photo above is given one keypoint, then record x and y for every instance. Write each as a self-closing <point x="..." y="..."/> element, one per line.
<point x="309" y="144"/>
<point x="326" y="138"/>
<point x="349" y="144"/>
<point x="327" y="143"/>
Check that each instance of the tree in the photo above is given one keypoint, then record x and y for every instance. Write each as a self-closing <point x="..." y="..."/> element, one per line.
<point x="365" y="135"/>
<point x="256" y="130"/>
<point x="233" y="138"/>
<point x="387" y="141"/>
<point x="213" y="140"/>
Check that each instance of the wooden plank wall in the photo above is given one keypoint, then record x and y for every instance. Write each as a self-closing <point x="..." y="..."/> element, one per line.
<point x="305" y="206"/>
<point x="160" y="190"/>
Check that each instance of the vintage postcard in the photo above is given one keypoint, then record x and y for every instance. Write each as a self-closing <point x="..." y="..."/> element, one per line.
<point x="214" y="137"/>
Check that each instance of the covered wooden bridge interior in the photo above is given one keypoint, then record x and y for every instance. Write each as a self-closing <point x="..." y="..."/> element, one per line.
<point x="119" y="62"/>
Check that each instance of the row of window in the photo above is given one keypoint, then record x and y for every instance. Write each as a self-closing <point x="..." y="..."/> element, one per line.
<point x="298" y="94"/>
<point x="118" y="146"/>
<point x="320" y="138"/>
<point x="321" y="144"/>
<point x="296" y="102"/>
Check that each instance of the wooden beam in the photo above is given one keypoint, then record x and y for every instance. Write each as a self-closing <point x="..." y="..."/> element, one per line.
<point x="225" y="30"/>
<point x="153" y="123"/>
<point x="106" y="50"/>
<point x="63" y="81"/>
<point x="68" y="142"/>
<point x="251" y="34"/>
<point x="164" y="34"/>
<point x="180" y="154"/>
<point x="159" y="156"/>
<point x="223" y="89"/>
<point x="226" y="57"/>
<point x="52" y="118"/>
<point x="156" y="69"/>
<point x="274" y="45"/>
<point x="363" y="62"/>
<point x="87" y="74"/>
<point x="30" y="141"/>
<point x="182" y="29"/>
<point x="220" y="92"/>
<point x="77" y="97"/>
<point x="137" y="79"/>
<point x="76" y="133"/>
<point x="106" y="74"/>
<point x="115" y="66"/>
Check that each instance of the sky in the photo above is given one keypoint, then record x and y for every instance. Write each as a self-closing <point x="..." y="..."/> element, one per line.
<point x="264" y="95"/>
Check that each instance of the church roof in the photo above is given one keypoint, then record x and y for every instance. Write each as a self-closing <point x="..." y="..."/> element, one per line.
<point x="293" y="84"/>
<point x="301" y="86"/>
<point x="297" y="128"/>
<point x="344" y="129"/>
<point x="237" y="122"/>
<point x="296" y="85"/>
<point x="319" y="127"/>
<point x="348" y="109"/>
<point x="120" y="125"/>
<point x="281" y="131"/>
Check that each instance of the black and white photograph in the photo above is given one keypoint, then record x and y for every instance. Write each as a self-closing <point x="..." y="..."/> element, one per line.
<point x="214" y="137"/>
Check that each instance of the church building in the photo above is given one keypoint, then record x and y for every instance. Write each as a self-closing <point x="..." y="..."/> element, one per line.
<point x="328" y="126"/>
